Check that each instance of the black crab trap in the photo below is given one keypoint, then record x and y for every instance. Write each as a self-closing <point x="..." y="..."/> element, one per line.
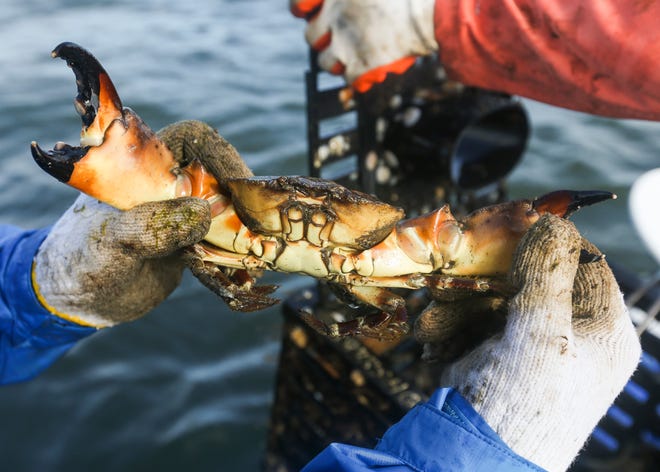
<point x="416" y="141"/>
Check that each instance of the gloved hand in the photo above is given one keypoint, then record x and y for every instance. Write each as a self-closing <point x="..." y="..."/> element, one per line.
<point x="567" y="349"/>
<point x="366" y="39"/>
<point x="100" y="266"/>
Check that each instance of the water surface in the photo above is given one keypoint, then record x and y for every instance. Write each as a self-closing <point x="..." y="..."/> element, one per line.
<point x="190" y="385"/>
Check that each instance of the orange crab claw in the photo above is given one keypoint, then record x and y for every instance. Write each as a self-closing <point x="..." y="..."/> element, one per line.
<point x="120" y="160"/>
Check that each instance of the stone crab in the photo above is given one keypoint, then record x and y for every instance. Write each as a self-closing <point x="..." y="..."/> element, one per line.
<point x="358" y="244"/>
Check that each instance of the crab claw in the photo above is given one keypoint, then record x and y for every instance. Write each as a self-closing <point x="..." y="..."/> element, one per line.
<point x="490" y="235"/>
<point x="564" y="203"/>
<point x="120" y="160"/>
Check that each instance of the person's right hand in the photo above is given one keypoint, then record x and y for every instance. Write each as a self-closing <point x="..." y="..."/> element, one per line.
<point x="366" y="39"/>
<point x="545" y="379"/>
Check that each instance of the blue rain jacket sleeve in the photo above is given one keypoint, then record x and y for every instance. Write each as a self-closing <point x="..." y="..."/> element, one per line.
<point x="31" y="338"/>
<point x="443" y="434"/>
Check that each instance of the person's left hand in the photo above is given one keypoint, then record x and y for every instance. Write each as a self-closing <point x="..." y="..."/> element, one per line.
<point x="100" y="266"/>
<point x="366" y="39"/>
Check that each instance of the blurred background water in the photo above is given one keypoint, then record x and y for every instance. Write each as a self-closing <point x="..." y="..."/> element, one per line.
<point x="190" y="385"/>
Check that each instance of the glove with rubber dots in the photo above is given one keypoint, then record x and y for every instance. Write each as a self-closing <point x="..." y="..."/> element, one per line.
<point x="100" y="266"/>
<point x="566" y="350"/>
<point x="365" y="39"/>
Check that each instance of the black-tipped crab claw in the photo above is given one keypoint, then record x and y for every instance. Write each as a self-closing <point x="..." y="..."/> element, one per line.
<point x="119" y="160"/>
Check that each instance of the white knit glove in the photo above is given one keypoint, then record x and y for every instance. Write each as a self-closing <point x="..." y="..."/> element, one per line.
<point x="366" y="39"/>
<point x="565" y="353"/>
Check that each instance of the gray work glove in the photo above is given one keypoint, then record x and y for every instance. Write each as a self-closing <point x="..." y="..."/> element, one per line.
<point x="100" y="266"/>
<point x="565" y="352"/>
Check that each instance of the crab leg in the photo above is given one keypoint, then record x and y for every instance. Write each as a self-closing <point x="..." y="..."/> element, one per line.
<point x="390" y="322"/>
<point x="378" y="325"/>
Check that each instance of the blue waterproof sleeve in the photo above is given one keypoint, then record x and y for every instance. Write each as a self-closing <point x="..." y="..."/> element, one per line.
<point x="31" y="338"/>
<point x="443" y="434"/>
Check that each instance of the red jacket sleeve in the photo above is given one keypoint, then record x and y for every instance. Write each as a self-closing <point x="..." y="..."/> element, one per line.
<point x="596" y="56"/>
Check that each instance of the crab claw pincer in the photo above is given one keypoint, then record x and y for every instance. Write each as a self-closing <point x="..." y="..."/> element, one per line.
<point x="564" y="203"/>
<point x="119" y="160"/>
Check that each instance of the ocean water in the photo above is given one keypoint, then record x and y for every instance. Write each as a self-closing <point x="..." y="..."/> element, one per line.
<point x="190" y="385"/>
